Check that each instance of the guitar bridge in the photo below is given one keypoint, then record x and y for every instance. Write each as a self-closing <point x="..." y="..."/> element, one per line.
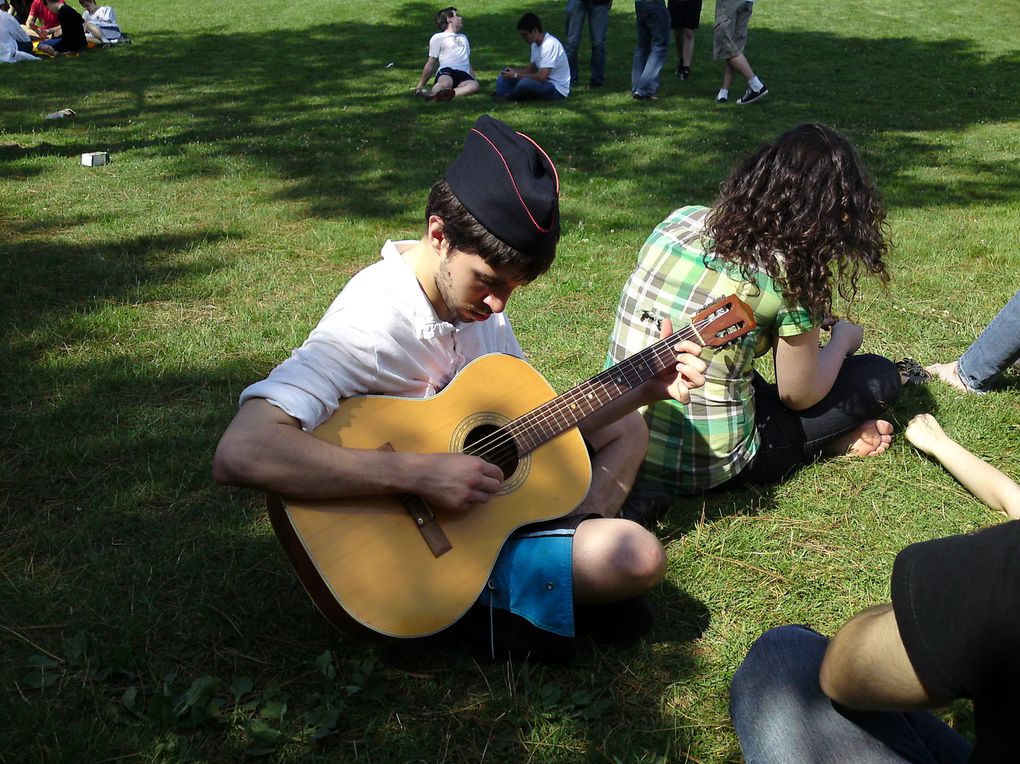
<point x="427" y="524"/>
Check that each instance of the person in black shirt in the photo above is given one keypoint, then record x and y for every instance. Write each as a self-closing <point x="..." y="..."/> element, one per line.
<point x="72" y="34"/>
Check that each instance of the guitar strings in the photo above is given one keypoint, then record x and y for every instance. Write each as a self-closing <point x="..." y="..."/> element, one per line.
<point x="501" y="445"/>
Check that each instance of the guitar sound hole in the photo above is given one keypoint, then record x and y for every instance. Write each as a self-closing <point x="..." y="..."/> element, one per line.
<point x="494" y="445"/>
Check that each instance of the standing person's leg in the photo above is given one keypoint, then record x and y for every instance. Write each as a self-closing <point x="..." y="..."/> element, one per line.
<point x="997" y="348"/>
<point x="657" y="26"/>
<point x="643" y="45"/>
<point x="845" y="418"/>
<point x="576" y="11"/>
<point x="781" y="715"/>
<point x="598" y="26"/>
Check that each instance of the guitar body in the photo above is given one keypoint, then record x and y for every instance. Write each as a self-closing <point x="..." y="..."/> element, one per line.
<point x="367" y="560"/>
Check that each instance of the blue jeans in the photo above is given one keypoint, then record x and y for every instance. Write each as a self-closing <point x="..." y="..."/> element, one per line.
<point x="996" y="348"/>
<point x="781" y="714"/>
<point x="527" y="89"/>
<point x="652" y="46"/>
<point x="598" y="23"/>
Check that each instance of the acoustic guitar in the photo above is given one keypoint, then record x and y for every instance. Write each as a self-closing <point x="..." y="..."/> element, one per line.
<point x="398" y="567"/>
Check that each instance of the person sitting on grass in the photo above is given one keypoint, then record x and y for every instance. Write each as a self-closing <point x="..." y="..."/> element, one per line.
<point x="15" y="44"/>
<point x="72" y="34"/>
<point x="450" y="53"/>
<point x="795" y="222"/>
<point x="950" y="632"/>
<point x="998" y="348"/>
<point x="405" y="327"/>
<point x="546" y="77"/>
<point x="101" y="26"/>
<point x="42" y="23"/>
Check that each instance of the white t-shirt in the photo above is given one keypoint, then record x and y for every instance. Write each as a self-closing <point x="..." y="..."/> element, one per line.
<point x="550" y="54"/>
<point x="381" y="336"/>
<point x="106" y="20"/>
<point x="452" y="49"/>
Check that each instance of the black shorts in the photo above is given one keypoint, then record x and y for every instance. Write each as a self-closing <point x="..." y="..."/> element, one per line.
<point x="684" y="14"/>
<point x="454" y="74"/>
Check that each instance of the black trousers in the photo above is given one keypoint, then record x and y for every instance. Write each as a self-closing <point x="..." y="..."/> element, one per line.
<point x="866" y="386"/>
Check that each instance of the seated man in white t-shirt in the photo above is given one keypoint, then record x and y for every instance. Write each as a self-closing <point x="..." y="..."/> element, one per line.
<point x="450" y="53"/>
<point x="100" y="23"/>
<point x="546" y="77"/>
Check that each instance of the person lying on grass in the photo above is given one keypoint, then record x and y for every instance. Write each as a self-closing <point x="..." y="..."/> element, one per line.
<point x="794" y="223"/>
<point x="450" y="54"/>
<point x="983" y="480"/>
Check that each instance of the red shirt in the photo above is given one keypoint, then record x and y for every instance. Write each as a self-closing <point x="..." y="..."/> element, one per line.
<point x="45" y="15"/>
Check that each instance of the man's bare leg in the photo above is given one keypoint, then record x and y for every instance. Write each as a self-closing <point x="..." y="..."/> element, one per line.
<point x="615" y="559"/>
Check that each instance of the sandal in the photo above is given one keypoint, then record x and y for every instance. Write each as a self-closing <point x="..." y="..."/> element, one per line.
<point x="912" y="373"/>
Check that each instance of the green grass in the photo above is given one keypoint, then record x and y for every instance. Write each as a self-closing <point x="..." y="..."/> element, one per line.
<point x="260" y="157"/>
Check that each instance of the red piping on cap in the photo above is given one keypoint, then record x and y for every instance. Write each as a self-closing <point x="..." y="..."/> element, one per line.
<point x="514" y="183"/>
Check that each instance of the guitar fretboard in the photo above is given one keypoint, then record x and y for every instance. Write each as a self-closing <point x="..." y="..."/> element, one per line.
<point x="565" y="411"/>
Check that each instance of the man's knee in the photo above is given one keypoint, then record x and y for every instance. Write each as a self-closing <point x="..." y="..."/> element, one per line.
<point x="639" y="557"/>
<point x="620" y="555"/>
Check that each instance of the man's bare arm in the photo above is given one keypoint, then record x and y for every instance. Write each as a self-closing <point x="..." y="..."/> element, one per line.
<point x="265" y="448"/>
<point x="866" y="666"/>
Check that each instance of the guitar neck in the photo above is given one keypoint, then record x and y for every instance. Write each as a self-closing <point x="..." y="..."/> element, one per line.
<point x="567" y="410"/>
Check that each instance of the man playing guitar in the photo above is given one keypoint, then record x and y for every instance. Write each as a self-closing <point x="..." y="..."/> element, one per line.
<point x="405" y="326"/>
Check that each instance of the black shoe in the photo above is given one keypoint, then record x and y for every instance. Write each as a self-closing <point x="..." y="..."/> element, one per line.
<point x="750" y="96"/>
<point x="645" y="97"/>
<point x="645" y="504"/>
<point x="683" y="72"/>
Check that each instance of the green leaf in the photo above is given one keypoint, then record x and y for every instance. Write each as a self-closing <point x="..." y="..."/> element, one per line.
<point x="241" y="686"/>
<point x="199" y="694"/>
<point x="325" y="665"/>
<point x="37" y="680"/>
<point x="273" y="709"/>
<point x="321" y="722"/>
<point x="43" y="662"/>
<point x="74" y="649"/>
<point x="259" y="731"/>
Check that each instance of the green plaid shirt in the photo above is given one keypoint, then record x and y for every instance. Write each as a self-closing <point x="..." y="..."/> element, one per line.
<point x="701" y="445"/>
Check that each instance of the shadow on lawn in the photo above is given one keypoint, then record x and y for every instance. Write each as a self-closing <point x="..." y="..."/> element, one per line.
<point x="349" y="137"/>
<point x="113" y="522"/>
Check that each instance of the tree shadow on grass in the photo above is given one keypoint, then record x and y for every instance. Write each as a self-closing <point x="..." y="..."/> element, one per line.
<point x="352" y="142"/>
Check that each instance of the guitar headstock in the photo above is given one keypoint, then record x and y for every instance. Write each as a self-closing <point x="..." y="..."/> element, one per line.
<point x="725" y="320"/>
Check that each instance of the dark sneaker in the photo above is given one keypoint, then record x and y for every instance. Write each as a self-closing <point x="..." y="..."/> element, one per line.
<point x="750" y="96"/>
<point x="683" y="72"/>
<point x="722" y="99"/>
<point x="645" y="97"/>
<point x="446" y="94"/>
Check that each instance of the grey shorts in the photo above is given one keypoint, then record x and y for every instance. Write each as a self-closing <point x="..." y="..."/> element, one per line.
<point x="730" y="31"/>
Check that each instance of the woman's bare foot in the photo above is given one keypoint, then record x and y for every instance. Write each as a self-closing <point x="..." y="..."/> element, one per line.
<point x="948" y="373"/>
<point x="868" y="439"/>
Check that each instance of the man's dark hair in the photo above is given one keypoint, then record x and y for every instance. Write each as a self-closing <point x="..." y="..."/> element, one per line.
<point x="443" y="18"/>
<point x="529" y="22"/>
<point x="465" y="233"/>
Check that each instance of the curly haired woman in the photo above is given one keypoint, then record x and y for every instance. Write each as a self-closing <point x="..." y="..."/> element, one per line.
<point x="795" y="222"/>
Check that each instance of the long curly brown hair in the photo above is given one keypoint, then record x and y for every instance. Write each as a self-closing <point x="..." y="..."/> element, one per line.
<point x="804" y="210"/>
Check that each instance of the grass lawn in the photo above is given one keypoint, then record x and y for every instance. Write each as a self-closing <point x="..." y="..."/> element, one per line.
<point x="260" y="156"/>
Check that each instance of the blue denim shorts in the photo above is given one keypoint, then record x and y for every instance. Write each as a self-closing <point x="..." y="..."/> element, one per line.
<point x="533" y="575"/>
